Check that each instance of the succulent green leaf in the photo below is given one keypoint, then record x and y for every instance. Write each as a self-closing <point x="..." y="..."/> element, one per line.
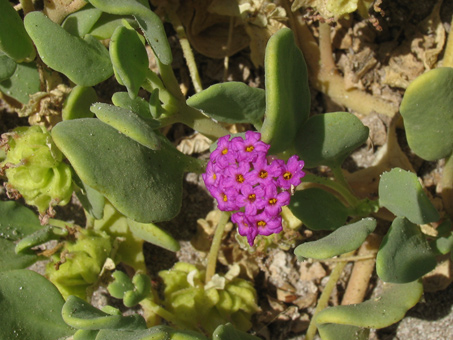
<point x="78" y="103"/>
<point x="16" y="222"/>
<point x="153" y="234"/>
<point x="120" y="285"/>
<point x="7" y="66"/>
<point x="85" y="61"/>
<point x="129" y="123"/>
<point x="129" y="59"/>
<point x="231" y="102"/>
<point x="81" y="22"/>
<point x="23" y="83"/>
<point x="329" y="138"/>
<point x="380" y="312"/>
<point x="142" y="288"/>
<point x="143" y="184"/>
<point x="228" y="332"/>
<point x="37" y="238"/>
<point x="92" y="200"/>
<point x="84" y="334"/>
<point x="340" y="241"/>
<point x="148" y="21"/>
<point x="41" y="319"/>
<point x="137" y="105"/>
<point x="81" y="315"/>
<point x="402" y="194"/>
<point x="108" y="23"/>
<point x="443" y="244"/>
<point x="153" y="333"/>
<point x="318" y="209"/>
<point x="428" y="114"/>
<point x="14" y="40"/>
<point x="404" y="254"/>
<point x="287" y="91"/>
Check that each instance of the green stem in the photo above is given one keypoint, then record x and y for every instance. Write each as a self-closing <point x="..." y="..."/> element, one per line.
<point x="186" y="49"/>
<point x="215" y="246"/>
<point x="170" y="82"/>
<point x="325" y="296"/>
<point x="150" y="308"/>
<point x="337" y="186"/>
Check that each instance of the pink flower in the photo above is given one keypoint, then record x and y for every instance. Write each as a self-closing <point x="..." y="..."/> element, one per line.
<point x="274" y="200"/>
<point x="250" y="148"/>
<point x="252" y="198"/>
<point x="223" y="155"/>
<point x="292" y="173"/>
<point x="245" y="228"/>
<point x="263" y="172"/>
<point x="267" y="224"/>
<point x="226" y="198"/>
<point x="235" y="175"/>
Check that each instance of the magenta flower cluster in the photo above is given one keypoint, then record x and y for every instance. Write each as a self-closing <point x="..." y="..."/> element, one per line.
<point x="243" y="178"/>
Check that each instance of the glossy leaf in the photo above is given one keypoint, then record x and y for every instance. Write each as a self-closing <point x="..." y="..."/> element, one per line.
<point x="7" y="66"/>
<point x="143" y="184"/>
<point x="30" y="307"/>
<point x="402" y="194"/>
<point x="129" y="123"/>
<point x="340" y="241"/>
<point x="151" y="233"/>
<point x="23" y="83"/>
<point x="287" y="91"/>
<point x="81" y="22"/>
<point x="380" y="312"/>
<point x="14" y="40"/>
<point x="129" y="59"/>
<point x="404" y="254"/>
<point x="318" y="209"/>
<point x="327" y="139"/>
<point x="78" y="103"/>
<point x="81" y="315"/>
<point x="149" y="22"/>
<point x="428" y="114"/>
<point x="85" y="61"/>
<point x="16" y="222"/>
<point x="231" y="102"/>
<point x="137" y="105"/>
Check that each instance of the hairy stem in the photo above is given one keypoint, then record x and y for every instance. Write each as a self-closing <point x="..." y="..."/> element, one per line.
<point x="215" y="246"/>
<point x="325" y="296"/>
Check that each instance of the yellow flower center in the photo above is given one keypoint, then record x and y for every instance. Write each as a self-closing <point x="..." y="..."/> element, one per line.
<point x="287" y="175"/>
<point x="249" y="148"/>
<point x="272" y="201"/>
<point x="252" y="197"/>
<point x="261" y="224"/>
<point x="240" y="178"/>
<point x="225" y="198"/>
<point x="224" y="151"/>
<point x="263" y="174"/>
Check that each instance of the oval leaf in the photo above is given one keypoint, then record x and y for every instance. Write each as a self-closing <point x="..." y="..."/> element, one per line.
<point x="153" y="234"/>
<point x="85" y="61"/>
<point x="318" y="209"/>
<point x="16" y="222"/>
<point x="428" y="114"/>
<point x="30" y="307"/>
<point x="404" y="255"/>
<point x="342" y="240"/>
<point x="129" y="59"/>
<point x="137" y="105"/>
<point x="7" y="66"/>
<point x="23" y="83"/>
<point x="131" y="124"/>
<point x="231" y="102"/>
<point x="149" y="22"/>
<point x="14" y="40"/>
<point x="390" y="307"/>
<point x="287" y="91"/>
<point x="402" y="194"/>
<point x="81" y="22"/>
<point x="78" y="103"/>
<point x="81" y="315"/>
<point x="329" y="138"/>
<point x="143" y="184"/>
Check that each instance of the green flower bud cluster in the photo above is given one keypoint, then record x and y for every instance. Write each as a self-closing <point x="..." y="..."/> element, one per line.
<point x="35" y="168"/>
<point x="206" y="306"/>
<point x="78" y="265"/>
